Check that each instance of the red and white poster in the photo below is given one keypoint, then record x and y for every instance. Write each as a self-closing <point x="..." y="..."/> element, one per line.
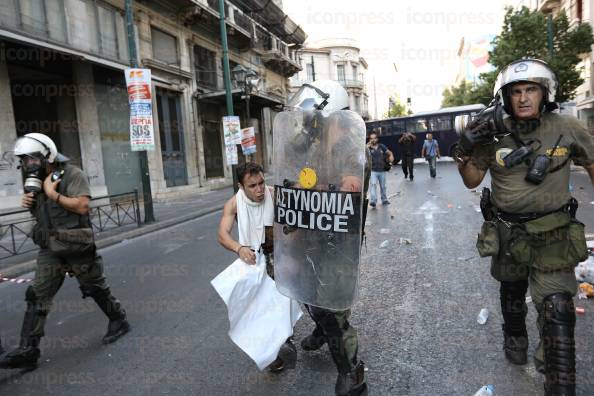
<point x="248" y="140"/>
<point x="138" y="82"/>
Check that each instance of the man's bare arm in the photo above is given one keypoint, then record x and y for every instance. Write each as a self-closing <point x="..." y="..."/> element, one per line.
<point x="225" y="238"/>
<point x="226" y="225"/>
<point x="471" y="175"/>
<point x="390" y="156"/>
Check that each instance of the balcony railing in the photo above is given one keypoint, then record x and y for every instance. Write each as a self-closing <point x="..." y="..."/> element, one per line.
<point x="351" y="83"/>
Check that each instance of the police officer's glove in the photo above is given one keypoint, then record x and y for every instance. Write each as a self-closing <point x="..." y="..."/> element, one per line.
<point x="474" y="136"/>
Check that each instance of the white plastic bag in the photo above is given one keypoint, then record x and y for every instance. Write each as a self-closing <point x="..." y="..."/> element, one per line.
<point x="260" y="318"/>
<point x="584" y="272"/>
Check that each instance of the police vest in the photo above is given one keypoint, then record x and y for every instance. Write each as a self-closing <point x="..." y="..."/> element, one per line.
<point x="50" y="215"/>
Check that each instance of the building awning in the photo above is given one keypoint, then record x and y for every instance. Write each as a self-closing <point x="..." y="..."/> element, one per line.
<point x="261" y="98"/>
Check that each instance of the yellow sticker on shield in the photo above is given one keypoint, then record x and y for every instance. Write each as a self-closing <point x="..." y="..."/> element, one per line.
<point x="308" y="178"/>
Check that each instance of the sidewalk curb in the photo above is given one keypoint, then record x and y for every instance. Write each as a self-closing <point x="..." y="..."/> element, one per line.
<point x="28" y="266"/>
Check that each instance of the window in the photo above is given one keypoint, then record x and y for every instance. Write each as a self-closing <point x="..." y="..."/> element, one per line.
<point x="340" y="72"/>
<point x="107" y="32"/>
<point x="355" y="73"/>
<point x="357" y="108"/>
<point x="397" y="127"/>
<point x="577" y="10"/>
<point x="441" y="123"/>
<point x="418" y="125"/>
<point x="310" y="71"/>
<point x="206" y="67"/>
<point x="164" y="47"/>
<point x="33" y="15"/>
<point x="82" y="25"/>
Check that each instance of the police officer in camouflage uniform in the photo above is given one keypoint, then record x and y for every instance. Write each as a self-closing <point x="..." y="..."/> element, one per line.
<point x="61" y="206"/>
<point x="533" y="236"/>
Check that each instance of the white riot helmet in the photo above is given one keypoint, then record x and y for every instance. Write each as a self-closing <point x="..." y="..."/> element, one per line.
<point x="37" y="143"/>
<point x="526" y="70"/>
<point x="324" y="95"/>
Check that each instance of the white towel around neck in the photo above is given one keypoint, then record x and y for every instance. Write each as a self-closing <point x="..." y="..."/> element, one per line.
<point x="252" y="217"/>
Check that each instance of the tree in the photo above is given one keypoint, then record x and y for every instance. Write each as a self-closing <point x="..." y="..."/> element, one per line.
<point x="524" y="34"/>
<point x="466" y="93"/>
<point x="398" y="109"/>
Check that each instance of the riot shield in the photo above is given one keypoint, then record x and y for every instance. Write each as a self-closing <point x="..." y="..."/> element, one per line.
<point x="318" y="166"/>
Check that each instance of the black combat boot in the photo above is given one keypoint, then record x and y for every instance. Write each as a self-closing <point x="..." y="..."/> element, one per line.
<point x="27" y="354"/>
<point x="515" y="348"/>
<point x="111" y="307"/>
<point x="514" y="310"/>
<point x="559" y="345"/>
<point x="23" y="357"/>
<point x="314" y="341"/>
<point x="353" y="382"/>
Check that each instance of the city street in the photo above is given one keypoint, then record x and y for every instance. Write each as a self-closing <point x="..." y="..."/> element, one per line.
<point x="415" y="316"/>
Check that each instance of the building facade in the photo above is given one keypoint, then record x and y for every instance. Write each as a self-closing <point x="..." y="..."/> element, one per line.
<point x="62" y="73"/>
<point x="577" y="11"/>
<point x="338" y="60"/>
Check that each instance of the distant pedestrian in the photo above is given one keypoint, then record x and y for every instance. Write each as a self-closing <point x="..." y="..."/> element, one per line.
<point x="407" y="143"/>
<point x="381" y="160"/>
<point x="430" y="152"/>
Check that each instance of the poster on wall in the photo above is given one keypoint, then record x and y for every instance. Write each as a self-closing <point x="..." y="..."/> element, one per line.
<point x="231" y="154"/>
<point x="231" y="130"/>
<point x="248" y="141"/>
<point x="138" y="83"/>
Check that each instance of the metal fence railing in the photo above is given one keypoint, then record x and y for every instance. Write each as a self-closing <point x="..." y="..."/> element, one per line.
<point x="121" y="210"/>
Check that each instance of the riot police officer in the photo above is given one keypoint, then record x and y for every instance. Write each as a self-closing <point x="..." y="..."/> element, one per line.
<point x="530" y="229"/>
<point x="58" y="195"/>
<point x="323" y="154"/>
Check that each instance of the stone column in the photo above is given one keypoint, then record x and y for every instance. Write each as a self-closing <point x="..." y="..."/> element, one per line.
<point x="88" y="127"/>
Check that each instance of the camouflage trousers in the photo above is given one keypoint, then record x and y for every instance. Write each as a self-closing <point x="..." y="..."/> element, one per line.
<point x="337" y="331"/>
<point x="541" y="283"/>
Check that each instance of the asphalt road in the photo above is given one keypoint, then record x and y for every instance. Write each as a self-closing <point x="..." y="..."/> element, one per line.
<point x="416" y="313"/>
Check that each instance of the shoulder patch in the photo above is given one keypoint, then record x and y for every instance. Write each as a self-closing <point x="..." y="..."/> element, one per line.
<point x="559" y="152"/>
<point x="501" y="154"/>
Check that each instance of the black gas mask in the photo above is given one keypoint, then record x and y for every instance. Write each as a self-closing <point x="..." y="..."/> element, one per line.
<point x="34" y="170"/>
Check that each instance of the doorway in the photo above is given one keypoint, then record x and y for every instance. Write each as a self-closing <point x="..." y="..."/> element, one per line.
<point x="172" y="138"/>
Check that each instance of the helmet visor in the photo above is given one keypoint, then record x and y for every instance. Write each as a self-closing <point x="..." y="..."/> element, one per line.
<point x="307" y="98"/>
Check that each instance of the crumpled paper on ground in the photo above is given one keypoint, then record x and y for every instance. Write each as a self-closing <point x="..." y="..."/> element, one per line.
<point x="260" y="317"/>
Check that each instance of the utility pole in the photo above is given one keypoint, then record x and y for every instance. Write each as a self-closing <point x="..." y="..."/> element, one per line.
<point x="149" y="214"/>
<point x="227" y="77"/>
<point x="550" y="34"/>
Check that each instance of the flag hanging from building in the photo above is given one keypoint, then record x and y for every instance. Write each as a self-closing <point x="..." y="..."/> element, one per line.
<point x="138" y="82"/>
